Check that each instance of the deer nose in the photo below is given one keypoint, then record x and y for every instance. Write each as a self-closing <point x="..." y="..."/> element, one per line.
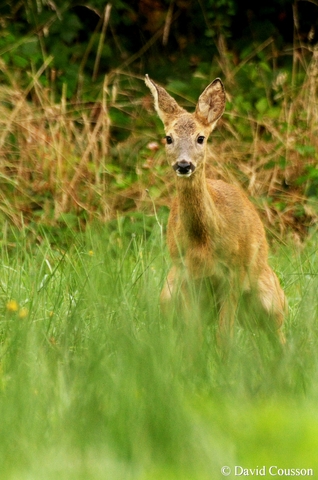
<point x="183" y="168"/>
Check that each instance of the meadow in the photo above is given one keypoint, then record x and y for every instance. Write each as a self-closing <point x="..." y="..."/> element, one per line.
<point x="96" y="384"/>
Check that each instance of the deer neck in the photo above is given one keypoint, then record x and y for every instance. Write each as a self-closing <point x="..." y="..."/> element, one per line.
<point x="197" y="210"/>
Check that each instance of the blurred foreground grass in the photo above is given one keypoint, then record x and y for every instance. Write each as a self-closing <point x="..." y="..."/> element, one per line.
<point x="94" y="384"/>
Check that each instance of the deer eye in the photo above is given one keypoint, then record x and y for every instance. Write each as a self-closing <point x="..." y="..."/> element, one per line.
<point x="168" y="139"/>
<point x="200" y="139"/>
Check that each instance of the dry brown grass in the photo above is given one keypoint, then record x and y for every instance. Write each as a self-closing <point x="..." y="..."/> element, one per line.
<point x="55" y="157"/>
<point x="52" y="155"/>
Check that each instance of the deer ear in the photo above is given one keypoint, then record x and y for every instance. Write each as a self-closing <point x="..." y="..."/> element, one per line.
<point x="166" y="106"/>
<point x="211" y="103"/>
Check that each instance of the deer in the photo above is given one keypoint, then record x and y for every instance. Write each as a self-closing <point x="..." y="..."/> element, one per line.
<point x="214" y="232"/>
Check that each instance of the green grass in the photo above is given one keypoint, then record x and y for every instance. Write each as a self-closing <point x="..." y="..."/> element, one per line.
<point x="95" y="384"/>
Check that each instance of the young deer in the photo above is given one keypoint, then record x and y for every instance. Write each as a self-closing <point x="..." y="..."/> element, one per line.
<point x="214" y="232"/>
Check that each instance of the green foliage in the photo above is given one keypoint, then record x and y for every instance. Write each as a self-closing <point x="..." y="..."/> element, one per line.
<point x="85" y="42"/>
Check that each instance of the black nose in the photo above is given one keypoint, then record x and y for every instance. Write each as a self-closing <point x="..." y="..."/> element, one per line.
<point x="183" y="167"/>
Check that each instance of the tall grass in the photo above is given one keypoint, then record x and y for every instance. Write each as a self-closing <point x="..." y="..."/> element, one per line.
<point x="96" y="384"/>
<point x="82" y="160"/>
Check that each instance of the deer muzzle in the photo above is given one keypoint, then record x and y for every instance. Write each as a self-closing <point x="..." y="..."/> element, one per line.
<point x="184" y="168"/>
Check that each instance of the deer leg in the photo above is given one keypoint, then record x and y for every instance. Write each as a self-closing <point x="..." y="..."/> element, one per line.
<point x="167" y="292"/>
<point x="273" y="303"/>
<point x="177" y="293"/>
<point x="227" y="310"/>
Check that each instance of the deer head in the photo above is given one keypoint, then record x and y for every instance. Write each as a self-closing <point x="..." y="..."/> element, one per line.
<point x="187" y="133"/>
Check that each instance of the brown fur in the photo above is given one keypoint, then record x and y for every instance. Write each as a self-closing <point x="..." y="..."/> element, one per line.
<point x="214" y="232"/>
